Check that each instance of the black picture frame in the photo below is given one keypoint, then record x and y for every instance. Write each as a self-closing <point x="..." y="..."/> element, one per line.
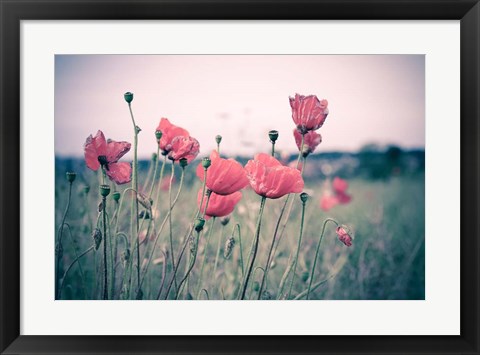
<point x="12" y="12"/>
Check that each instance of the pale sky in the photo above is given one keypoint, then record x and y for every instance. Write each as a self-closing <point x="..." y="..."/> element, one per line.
<point x="372" y="99"/>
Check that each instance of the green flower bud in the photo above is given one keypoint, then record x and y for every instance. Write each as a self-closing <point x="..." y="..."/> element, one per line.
<point x="116" y="196"/>
<point x="158" y="135"/>
<point x="104" y="190"/>
<point x="218" y="139"/>
<point x="199" y="223"/>
<point x="137" y="129"/>
<point x="128" y="96"/>
<point x="71" y="176"/>
<point x="206" y="162"/>
<point x="305" y="276"/>
<point x="304" y="197"/>
<point x="273" y="136"/>
<point x="183" y="162"/>
<point x="224" y="221"/>
<point x="86" y="189"/>
<point x="154" y="157"/>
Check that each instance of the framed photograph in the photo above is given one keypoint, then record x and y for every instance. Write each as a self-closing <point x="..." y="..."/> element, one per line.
<point x="237" y="177"/>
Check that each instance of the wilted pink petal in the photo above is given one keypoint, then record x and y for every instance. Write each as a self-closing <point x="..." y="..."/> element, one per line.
<point x="116" y="150"/>
<point x="224" y="176"/>
<point x="121" y="172"/>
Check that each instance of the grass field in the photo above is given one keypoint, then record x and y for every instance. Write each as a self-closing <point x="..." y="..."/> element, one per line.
<point x="386" y="260"/>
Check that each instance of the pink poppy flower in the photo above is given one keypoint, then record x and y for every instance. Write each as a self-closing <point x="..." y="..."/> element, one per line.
<point x="224" y="176"/>
<point x="169" y="133"/>
<point x="340" y="187"/>
<point x="269" y="178"/>
<point x="219" y="205"/>
<point x="308" y="112"/>
<point x="310" y="141"/>
<point x="102" y="153"/>
<point x="344" y="236"/>
<point x="328" y="201"/>
<point x="184" y="147"/>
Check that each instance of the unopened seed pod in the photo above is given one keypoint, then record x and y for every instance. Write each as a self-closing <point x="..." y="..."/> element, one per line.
<point x="229" y="245"/>
<point x="97" y="237"/>
<point x="71" y="176"/>
<point x="128" y="96"/>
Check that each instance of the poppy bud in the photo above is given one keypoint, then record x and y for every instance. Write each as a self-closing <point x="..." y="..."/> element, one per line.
<point x="137" y="129"/>
<point x="224" y="221"/>
<point x="158" y="135"/>
<point x="304" y="197"/>
<point x="116" y="196"/>
<point x="128" y="96"/>
<point x="305" y="276"/>
<point x="229" y="244"/>
<point x="199" y="223"/>
<point x="218" y="139"/>
<point x="154" y="156"/>
<point x="206" y="162"/>
<point x="273" y="134"/>
<point x="86" y="189"/>
<point x="192" y="242"/>
<point x="183" y="162"/>
<point x="71" y="176"/>
<point x="97" y="237"/>
<point x="104" y="190"/>
<point x="345" y="235"/>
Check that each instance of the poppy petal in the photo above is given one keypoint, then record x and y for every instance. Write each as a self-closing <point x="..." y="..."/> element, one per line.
<point x="121" y="172"/>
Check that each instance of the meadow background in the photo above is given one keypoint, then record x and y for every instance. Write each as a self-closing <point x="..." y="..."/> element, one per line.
<point x="373" y="138"/>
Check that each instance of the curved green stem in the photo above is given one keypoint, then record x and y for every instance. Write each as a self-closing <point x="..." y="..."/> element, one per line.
<point x="59" y="246"/>
<point x="170" y="214"/>
<point x="295" y="261"/>
<point x="190" y="268"/>
<point x="173" y="279"/>
<point x="70" y="266"/>
<point x="253" y="252"/>
<point x="218" y="251"/>
<point x="105" y="273"/>
<point x="205" y="252"/>
<point x="135" y="226"/>
<point x="154" y="172"/>
<point x="316" y="254"/>
<point x="162" y="226"/>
